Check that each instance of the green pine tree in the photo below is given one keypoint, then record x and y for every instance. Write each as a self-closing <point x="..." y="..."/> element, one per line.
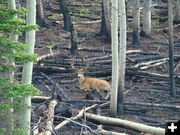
<point x="12" y="52"/>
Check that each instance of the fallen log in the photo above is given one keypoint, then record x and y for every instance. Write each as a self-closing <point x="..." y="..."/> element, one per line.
<point x="40" y="99"/>
<point x="103" y="132"/>
<point x="156" y="44"/>
<point x="153" y="106"/>
<point x="151" y="57"/>
<point x="50" y="119"/>
<point x="80" y="23"/>
<point x="40" y="58"/>
<point x="35" y="130"/>
<point x="95" y="50"/>
<point x="142" y="58"/>
<point x="37" y="99"/>
<point x="101" y="61"/>
<point x="98" y="60"/>
<point x="79" y="115"/>
<point x="150" y="75"/>
<point x="110" y="56"/>
<point x="83" y="49"/>
<point x="55" y="84"/>
<point x="68" y="81"/>
<point x="176" y="67"/>
<point x="126" y="124"/>
<point x="129" y="71"/>
<point x="159" y="90"/>
<point x="48" y="69"/>
<point x="153" y="65"/>
<point x="150" y="62"/>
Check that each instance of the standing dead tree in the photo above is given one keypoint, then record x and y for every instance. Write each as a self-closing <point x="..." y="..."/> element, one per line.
<point x="68" y="26"/>
<point x="177" y="11"/>
<point x="105" y="23"/>
<point x="40" y="13"/>
<point x="122" y="55"/>
<point x="115" y="66"/>
<point x="136" y="22"/>
<point x="74" y="42"/>
<point x="66" y="16"/>
<point x="147" y="18"/>
<point x="171" y="49"/>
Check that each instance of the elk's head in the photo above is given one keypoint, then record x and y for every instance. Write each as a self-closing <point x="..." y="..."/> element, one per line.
<point x="80" y="72"/>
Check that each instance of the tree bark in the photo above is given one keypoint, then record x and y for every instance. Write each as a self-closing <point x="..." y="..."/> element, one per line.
<point x="66" y="16"/>
<point x="105" y="23"/>
<point x="127" y="124"/>
<point x="28" y="67"/>
<point x="40" y="13"/>
<point x="74" y="43"/>
<point x="10" y="123"/>
<point x="151" y="106"/>
<point x="114" y="48"/>
<point x="147" y="17"/>
<point x="136" y="23"/>
<point x="122" y="55"/>
<point x="177" y="11"/>
<point x="49" y="123"/>
<point x="171" y="49"/>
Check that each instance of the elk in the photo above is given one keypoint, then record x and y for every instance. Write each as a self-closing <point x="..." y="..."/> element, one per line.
<point x="87" y="83"/>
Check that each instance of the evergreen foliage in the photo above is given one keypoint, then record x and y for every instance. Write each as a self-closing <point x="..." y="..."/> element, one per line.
<point x="13" y="52"/>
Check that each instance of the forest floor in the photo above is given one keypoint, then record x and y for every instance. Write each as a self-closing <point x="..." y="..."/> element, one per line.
<point x="141" y="88"/>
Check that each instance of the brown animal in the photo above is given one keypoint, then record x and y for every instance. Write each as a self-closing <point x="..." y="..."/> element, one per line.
<point x="87" y="83"/>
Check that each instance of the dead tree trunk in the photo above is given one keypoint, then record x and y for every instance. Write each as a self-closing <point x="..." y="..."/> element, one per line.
<point x="105" y="23"/>
<point x="122" y="55"/>
<point x="66" y="16"/>
<point x="127" y="124"/>
<point x="177" y="11"/>
<point x="74" y="43"/>
<point x="49" y="123"/>
<point x="40" y="13"/>
<point x="147" y="18"/>
<point x="136" y="23"/>
<point x="171" y="49"/>
<point x="69" y="28"/>
<point x="114" y="46"/>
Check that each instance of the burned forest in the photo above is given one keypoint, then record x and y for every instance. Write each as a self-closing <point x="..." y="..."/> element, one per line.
<point x="88" y="85"/>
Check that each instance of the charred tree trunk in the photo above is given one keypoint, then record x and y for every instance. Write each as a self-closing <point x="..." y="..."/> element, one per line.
<point x="74" y="43"/>
<point x="40" y="13"/>
<point x="177" y="11"/>
<point x="105" y="23"/>
<point x="136" y="23"/>
<point x="66" y="16"/>
<point x="69" y="28"/>
<point x="171" y="49"/>
<point x="103" y="31"/>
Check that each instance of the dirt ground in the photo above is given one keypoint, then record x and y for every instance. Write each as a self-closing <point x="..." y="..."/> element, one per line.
<point x="138" y="87"/>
